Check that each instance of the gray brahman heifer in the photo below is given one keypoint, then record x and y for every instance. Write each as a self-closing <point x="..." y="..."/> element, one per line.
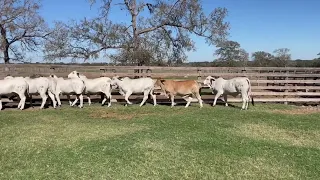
<point x="95" y="86"/>
<point x="43" y="86"/>
<point x="14" y="85"/>
<point x="69" y="87"/>
<point x="233" y="87"/>
<point x="128" y="86"/>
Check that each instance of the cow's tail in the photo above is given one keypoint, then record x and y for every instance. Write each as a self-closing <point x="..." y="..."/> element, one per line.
<point x="199" y="86"/>
<point x="27" y="91"/>
<point x="249" y="92"/>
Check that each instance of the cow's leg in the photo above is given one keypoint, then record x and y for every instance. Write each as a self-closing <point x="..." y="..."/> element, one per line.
<point x="247" y="101"/>
<point x="19" y="104"/>
<point x="57" y="95"/>
<point x="216" y="97"/>
<point x="104" y="98"/>
<point x="128" y="94"/>
<point x="199" y="99"/>
<point x="172" y="100"/>
<point x="145" y="97"/>
<point x="121" y="92"/>
<point x="244" y="100"/>
<point x="89" y="100"/>
<point x="225" y="97"/>
<point x="51" y="95"/>
<point x="108" y="94"/>
<point x="154" y="97"/>
<point x="0" y="104"/>
<point x="75" y="101"/>
<point x="22" y="100"/>
<point x="30" y="100"/>
<point x="80" y="96"/>
<point x="44" y="99"/>
<point x="189" y="99"/>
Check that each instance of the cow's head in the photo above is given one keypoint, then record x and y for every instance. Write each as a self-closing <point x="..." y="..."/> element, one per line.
<point x="209" y="81"/>
<point x="53" y="76"/>
<point x="159" y="82"/>
<point x="114" y="82"/>
<point x="8" y="77"/>
<point x="74" y="74"/>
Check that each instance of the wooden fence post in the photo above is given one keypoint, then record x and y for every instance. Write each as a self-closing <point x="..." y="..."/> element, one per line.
<point x="286" y="85"/>
<point x="148" y="72"/>
<point x="199" y="74"/>
<point x="52" y="69"/>
<point x="102" y="72"/>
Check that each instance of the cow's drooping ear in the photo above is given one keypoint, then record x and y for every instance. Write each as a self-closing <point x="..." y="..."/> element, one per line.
<point x="212" y="80"/>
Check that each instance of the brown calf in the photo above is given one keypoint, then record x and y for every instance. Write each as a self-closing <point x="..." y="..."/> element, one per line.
<point x="185" y="89"/>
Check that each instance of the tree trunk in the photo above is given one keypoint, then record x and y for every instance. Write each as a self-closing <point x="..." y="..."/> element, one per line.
<point x="135" y="33"/>
<point x="5" y="45"/>
<point x="6" y="57"/>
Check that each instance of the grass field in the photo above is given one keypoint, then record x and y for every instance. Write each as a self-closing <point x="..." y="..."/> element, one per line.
<point x="265" y="142"/>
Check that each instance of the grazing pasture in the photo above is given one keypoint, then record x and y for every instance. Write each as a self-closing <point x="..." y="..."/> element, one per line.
<point x="269" y="141"/>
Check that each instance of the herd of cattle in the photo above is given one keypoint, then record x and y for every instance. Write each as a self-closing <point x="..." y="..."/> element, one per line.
<point x="79" y="85"/>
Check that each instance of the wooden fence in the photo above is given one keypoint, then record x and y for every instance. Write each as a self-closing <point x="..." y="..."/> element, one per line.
<point x="269" y="84"/>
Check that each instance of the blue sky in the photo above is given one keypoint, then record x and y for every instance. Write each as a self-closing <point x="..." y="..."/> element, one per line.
<point x="258" y="25"/>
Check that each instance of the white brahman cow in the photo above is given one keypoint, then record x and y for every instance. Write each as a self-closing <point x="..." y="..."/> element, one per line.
<point x="186" y="89"/>
<point x="233" y="87"/>
<point x="14" y="85"/>
<point x="41" y="86"/>
<point x="68" y="87"/>
<point x="94" y="86"/>
<point x="128" y="86"/>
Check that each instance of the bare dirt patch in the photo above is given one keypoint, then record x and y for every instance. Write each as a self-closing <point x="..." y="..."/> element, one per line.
<point x="301" y="110"/>
<point x="117" y="115"/>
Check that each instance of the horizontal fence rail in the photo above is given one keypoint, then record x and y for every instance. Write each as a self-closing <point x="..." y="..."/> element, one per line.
<point x="269" y="84"/>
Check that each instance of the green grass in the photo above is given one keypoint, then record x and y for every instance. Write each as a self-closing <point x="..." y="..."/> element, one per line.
<point x="160" y="143"/>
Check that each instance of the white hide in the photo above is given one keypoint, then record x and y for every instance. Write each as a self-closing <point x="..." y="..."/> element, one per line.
<point x="95" y="86"/>
<point x="129" y="86"/>
<point x="14" y="85"/>
<point x="40" y="86"/>
<point x="233" y="87"/>
<point x="68" y="87"/>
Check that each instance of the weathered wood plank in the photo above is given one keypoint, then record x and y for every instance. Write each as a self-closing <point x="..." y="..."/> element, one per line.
<point x="266" y="93"/>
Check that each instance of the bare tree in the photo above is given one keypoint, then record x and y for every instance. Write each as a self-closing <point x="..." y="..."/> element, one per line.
<point x="231" y="53"/>
<point x="164" y="32"/>
<point x="21" y="28"/>
<point x="262" y="59"/>
<point x="282" y="57"/>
